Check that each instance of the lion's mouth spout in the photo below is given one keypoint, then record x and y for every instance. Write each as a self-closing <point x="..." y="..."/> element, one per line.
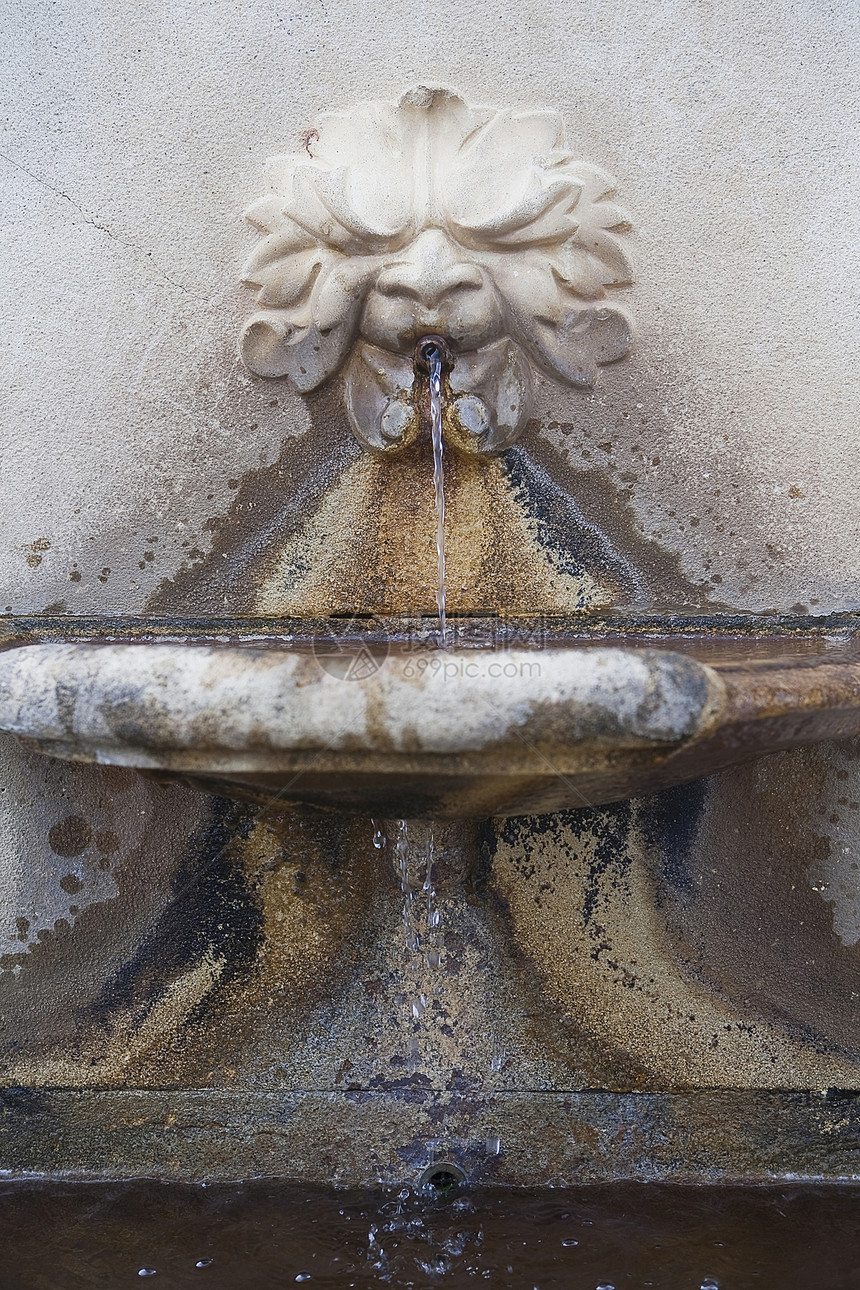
<point x="429" y="348"/>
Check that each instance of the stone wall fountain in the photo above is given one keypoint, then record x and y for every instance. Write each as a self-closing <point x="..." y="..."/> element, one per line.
<point x="437" y="815"/>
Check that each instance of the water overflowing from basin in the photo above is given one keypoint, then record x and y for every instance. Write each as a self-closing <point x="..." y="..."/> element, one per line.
<point x="413" y="850"/>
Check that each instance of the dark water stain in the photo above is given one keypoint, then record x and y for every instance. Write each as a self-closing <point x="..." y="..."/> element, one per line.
<point x="557" y="1033"/>
<point x="670" y="822"/>
<point x="70" y="837"/>
<point x="270" y="506"/>
<point x="747" y="920"/>
<point x="45" y="1006"/>
<point x="573" y="545"/>
<point x="608" y="510"/>
<point x="608" y="827"/>
<point x="605" y="828"/>
<point x="581" y="521"/>
<point x="212" y="913"/>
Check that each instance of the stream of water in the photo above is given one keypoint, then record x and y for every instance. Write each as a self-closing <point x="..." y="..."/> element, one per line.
<point x="434" y="360"/>
<point x="413" y="848"/>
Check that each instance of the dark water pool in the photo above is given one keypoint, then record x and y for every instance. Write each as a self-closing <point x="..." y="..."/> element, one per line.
<point x="260" y="1235"/>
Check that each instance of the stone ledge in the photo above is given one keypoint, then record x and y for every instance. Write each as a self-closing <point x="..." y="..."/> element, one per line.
<point x="542" y="1138"/>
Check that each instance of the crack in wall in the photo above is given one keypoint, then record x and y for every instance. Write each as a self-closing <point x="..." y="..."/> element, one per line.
<point x="92" y="221"/>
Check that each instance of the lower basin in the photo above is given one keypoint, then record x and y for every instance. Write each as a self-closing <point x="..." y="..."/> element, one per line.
<point x="64" y="1235"/>
<point x="368" y="727"/>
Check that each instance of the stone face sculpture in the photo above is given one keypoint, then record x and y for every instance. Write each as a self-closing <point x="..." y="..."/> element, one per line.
<point x="432" y="216"/>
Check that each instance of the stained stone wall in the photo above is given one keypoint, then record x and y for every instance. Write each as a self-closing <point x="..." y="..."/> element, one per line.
<point x="134" y="137"/>
<point x="194" y="988"/>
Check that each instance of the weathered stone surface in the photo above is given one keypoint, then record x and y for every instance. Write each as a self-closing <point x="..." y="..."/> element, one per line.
<point x="664" y="987"/>
<point x="525" y="1139"/>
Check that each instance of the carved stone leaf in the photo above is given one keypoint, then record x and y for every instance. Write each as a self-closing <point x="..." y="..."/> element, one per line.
<point x="584" y="340"/>
<point x="582" y="274"/>
<point x="272" y="345"/>
<point x="377" y="387"/>
<point x="498" y="375"/>
<point x="618" y="268"/>
<point x="494" y="169"/>
<point x="529" y="287"/>
<point x="306" y="207"/>
<point x="289" y="279"/>
<point x="609" y="216"/>
<point x="310" y="342"/>
<point x="569" y="343"/>
<point x="597" y="185"/>
<point x="266" y="213"/>
<point x="286" y="242"/>
<point x="339" y="294"/>
<point x="587" y="266"/>
<point x="537" y="214"/>
<point x="360" y="204"/>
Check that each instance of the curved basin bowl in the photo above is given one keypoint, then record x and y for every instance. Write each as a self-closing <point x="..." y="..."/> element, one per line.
<point x="460" y="732"/>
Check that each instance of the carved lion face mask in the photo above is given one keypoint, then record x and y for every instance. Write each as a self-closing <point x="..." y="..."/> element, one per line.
<point x="431" y="216"/>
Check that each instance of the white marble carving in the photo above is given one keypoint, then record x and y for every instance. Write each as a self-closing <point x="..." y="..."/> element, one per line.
<point x="432" y="216"/>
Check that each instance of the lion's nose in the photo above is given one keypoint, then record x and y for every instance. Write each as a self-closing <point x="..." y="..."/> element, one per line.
<point x="429" y="270"/>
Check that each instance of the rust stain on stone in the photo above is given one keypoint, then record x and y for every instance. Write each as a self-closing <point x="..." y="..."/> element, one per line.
<point x="330" y="529"/>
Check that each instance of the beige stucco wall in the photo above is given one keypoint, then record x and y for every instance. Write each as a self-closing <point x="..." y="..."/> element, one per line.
<point x="134" y="136"/>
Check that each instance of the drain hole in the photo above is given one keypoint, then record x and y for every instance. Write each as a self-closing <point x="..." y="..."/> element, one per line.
<point x="441" y="1179"/>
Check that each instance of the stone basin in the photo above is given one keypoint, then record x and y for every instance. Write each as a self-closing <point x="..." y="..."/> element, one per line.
<point x="369" y="729"/>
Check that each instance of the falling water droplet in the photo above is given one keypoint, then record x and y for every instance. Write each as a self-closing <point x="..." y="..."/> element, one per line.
<point x="569" y="1242"/>
<point x="378" y="835"/>
<point x="494" y="1146"/>
<point x="146" y="1272"/>
<point x="204" y="1263"/>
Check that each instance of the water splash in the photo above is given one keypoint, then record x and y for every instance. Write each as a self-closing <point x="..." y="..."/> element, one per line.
<point x="434" y="362"/>
<point x="414" y="853"/>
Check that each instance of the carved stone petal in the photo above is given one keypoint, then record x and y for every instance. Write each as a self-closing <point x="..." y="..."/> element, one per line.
<point x="586" y="339"/>
<point x="378" y="386"/>
<point x="289" y="279"/>
<point x="498" y="376"/>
